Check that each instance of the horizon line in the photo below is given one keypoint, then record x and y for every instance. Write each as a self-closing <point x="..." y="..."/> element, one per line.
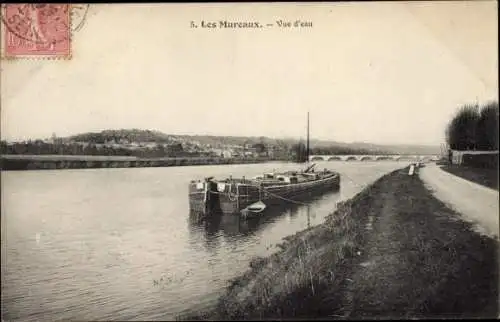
<point x="295" y="138"/>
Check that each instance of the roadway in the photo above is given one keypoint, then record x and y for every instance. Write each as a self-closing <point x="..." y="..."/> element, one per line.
<point x="478" y="204"/>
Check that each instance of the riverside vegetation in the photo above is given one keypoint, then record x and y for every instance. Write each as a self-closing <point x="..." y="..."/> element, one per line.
<point x="392" y="251"/>
<point x="483" y="176"/>
<point x="475" y="128"/>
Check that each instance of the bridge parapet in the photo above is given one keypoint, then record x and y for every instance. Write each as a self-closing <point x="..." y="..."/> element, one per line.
<point x="370" y="157"/>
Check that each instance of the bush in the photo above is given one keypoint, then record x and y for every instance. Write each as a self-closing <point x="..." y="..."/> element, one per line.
<point x="487" y="161"/>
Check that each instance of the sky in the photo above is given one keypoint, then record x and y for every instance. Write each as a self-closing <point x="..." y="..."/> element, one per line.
<point x="385" y="73"/>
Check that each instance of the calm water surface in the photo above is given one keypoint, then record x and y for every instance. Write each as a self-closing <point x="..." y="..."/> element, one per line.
<point x="101" y="244"/>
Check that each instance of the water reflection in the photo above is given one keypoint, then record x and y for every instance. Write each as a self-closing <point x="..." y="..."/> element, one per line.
<point x="206" y="231"/>
<point x="234" y="227"/>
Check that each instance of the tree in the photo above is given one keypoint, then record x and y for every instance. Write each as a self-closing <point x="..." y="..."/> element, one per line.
<point x="3" y="147"/>
<point x="461" y="131"/>
<point x="260" y="147"/>
<point x="299" y="152"/>
<point x="487" y="127"/>
<point x="160" y="150"/>
<point x="474" y="128"/>
<point x="175" y="149"/>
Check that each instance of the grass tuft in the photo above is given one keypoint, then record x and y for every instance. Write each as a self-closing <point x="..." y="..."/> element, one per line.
<point x="484" y="177"/>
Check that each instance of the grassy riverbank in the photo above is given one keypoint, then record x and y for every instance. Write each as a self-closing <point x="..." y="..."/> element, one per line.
<point x="392" y="251"/>
<point x="485" y="177"/>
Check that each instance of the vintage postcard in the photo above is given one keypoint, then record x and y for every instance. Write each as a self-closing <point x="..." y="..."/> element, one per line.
<point x="249" y="161"/>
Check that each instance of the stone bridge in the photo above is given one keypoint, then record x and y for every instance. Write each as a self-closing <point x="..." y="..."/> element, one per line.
<point x="395" y="157"/>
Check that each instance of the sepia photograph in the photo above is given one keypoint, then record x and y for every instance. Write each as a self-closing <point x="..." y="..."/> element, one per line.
<point x="249" y="161"/>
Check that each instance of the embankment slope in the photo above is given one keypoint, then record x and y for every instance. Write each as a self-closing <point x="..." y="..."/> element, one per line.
<point x="392" y="251"/>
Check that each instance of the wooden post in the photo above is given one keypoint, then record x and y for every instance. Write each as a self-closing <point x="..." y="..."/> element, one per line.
<point x="307" y="146"/>
<point x="237" y="196"/>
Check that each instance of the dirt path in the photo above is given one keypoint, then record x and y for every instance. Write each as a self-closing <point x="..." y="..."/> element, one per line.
<point x="418" y="262"/>
<point x="477" y="203"/>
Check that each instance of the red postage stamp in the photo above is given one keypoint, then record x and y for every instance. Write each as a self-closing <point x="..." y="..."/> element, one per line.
<point x="36" y="30"/>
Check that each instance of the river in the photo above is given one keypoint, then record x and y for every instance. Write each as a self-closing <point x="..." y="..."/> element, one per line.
<point x="118" y="244"/>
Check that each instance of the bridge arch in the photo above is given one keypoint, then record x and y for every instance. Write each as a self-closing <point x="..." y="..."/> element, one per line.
<point x="365" y="158"/>
<point x="383" y="157"/>
<point x="351" y="158"/>
<point x="334" y="158"/>
<point x="317" y="158"/>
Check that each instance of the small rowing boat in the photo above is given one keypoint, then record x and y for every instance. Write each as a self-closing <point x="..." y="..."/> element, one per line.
<point x="253" y="209"/>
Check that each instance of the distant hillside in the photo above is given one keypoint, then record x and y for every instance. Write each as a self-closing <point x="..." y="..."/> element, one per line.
<point x="136" y="135"/>
<point x="132" y="135"/>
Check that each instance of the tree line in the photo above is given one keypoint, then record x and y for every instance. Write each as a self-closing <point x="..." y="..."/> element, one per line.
<point x="474" y="127"/>
<point x="42" y="148"/>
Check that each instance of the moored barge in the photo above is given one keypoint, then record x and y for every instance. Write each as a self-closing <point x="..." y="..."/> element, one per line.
<point x="235" y="195"/>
